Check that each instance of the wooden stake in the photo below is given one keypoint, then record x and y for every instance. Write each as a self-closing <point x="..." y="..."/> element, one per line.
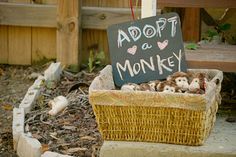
<point x="148" y="8"/>
<point x="69" y="33"/>
<point x="191" y="25"/>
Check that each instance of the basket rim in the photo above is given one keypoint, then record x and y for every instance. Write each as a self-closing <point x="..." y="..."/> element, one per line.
<point x="107" y="95"/>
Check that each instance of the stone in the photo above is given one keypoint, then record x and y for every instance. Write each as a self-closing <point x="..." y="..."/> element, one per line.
<point x="38" y="83"/>
<point x="220" y="143"/>
<point x="17" y="125"/>
<point x="52" y="154"/>
<point x="52" y="74"/>
<point x="28" y="147"/>
<point x="29" y="99"/>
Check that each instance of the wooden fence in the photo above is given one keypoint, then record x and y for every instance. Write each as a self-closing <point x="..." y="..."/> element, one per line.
<point x="31" y="30"/>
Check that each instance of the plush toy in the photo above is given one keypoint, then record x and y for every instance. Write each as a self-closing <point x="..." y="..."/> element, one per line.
<point x="198" y="83"/>
<point x="168" y="87"/>
<point x="57" y="104"/>
<point x="181" y="80"/>
<point x="130" y="87"/>
<point x="154" y="85"/>
<point x="145" y="87"/>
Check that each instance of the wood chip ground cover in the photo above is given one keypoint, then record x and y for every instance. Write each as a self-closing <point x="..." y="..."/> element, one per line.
<point x="14" y="82"/>
<point x="73" y="131"/>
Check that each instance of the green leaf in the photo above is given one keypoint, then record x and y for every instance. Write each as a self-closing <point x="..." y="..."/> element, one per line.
<point x="225" y="27"/>
<point x="101" y="55"/>
<point x="98" y="62"/>
<point x="191" y="46"/>
<point x="211" y="33"/>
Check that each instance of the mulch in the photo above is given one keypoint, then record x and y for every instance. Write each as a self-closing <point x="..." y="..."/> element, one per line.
<point x="73" y="131"/>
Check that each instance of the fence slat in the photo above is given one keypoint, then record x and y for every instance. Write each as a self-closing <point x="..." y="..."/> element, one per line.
<point x="4" y="44"/>
<point x="43" y="44"/>
<point x="19" y="39"/>
<point x="92" y="36"/>
<point x="102" y="17"/>
<point x="27" y="14"/>
<point x="19" y="45"/>
<point x="43" y="39"/>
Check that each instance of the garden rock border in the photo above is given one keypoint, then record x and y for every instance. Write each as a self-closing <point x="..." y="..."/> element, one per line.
<point x="24" y="144"/>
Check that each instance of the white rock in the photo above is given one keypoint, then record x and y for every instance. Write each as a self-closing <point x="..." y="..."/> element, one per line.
<point x="38" y="82"/>
<point x="17" y="125"/>
<point x="57" y="104"/>
<point x="28" y="147"/>
<point x="52" y="154"/>
<point x="52" y="74"/>
<point x="29" y="99"/>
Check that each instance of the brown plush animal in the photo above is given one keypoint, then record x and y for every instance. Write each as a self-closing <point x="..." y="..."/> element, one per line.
<point x="181" y="80"/>
<point x="145" y="87"/>
<point x="198" y="83"/>
<point x="130" y="87"/>
<point x="168" y="87"/>
<point x="154" y="85"/>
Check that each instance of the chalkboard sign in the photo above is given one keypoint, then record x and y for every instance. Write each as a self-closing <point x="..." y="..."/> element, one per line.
<point x="147" y="49"/>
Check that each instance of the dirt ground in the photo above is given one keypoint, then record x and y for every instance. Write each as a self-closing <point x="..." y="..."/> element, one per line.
<point x="15" y="80"/>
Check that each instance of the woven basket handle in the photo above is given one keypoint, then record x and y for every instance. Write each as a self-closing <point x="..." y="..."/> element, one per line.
<point x="218" y="80"/>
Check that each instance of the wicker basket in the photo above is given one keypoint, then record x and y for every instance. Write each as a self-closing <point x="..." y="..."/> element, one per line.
<point x="151" y="116"/>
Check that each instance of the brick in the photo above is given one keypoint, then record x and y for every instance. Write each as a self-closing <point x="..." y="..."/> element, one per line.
<point x="38" y="83"/>
<point x="17" y="125"/>
<point x="28" y="147"/>
<point x="29" y="99"/>
<point x="53" y="72"/>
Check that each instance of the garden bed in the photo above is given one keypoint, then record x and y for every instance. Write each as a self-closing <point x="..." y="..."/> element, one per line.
<point x="72" y="132"/>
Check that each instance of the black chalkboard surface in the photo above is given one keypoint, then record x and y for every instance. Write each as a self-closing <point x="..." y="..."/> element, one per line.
<point x="147" y="49"/>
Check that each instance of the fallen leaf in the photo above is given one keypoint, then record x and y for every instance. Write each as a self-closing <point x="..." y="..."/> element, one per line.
<point x="77" y="149"/>
<point x="88" y="138"/>
<point x="44" y="148"/>
<point x="8" y="107"/>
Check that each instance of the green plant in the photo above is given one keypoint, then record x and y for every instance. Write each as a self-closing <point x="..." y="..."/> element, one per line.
<point x="219" y="30"/>
<point x="95" y="59"/>
<point x="191" y="46"/>
<point x="211" y="33"/>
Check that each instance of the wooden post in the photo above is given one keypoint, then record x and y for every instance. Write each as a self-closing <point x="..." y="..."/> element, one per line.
<point x="191" y="24"/>
<point x="148" y="8"/>
<point x="69" y="33"/>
